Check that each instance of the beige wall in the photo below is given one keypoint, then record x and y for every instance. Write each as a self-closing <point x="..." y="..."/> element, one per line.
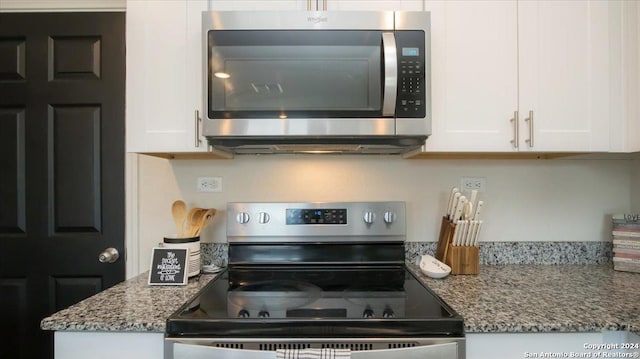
<point x="526" y="200"/>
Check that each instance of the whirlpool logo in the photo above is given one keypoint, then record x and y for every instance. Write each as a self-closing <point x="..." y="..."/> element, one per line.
<point x="317" y="19"/>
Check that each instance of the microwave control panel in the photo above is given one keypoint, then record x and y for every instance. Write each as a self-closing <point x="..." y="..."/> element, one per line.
<point x="412" y="87"/>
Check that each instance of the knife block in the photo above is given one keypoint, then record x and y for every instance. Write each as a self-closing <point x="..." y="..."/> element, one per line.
<point x="461" y="259"/>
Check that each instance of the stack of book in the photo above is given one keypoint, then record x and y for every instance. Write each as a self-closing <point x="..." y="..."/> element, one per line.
<point x="626" y="242"/>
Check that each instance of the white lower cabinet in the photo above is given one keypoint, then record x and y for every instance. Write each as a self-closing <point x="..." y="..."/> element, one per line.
<point x="108" y="345"/>
<point x="549" y="345"/>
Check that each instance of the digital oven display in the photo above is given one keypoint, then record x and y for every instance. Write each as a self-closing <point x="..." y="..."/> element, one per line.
<point x="410" y="51"/>
<point x="296" y="216"/>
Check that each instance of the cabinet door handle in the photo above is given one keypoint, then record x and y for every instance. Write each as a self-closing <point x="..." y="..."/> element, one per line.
<point x="324" y="5"/>
<point x="197" y="132"/>
<point x="516" y="140"/>
<point x="308" y="5"/>
<point x="530" y="120"/>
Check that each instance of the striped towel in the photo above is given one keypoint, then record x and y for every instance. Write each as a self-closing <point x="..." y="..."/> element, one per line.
<point x="313" y="353"/>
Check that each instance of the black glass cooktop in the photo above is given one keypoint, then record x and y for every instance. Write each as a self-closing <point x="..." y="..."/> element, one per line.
<point x="315" y="301"/>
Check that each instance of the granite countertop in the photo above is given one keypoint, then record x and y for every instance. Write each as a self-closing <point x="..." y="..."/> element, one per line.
<point x="506" y="298"/>
<point x="542" y="298"/>
<point x="130" y="306"/>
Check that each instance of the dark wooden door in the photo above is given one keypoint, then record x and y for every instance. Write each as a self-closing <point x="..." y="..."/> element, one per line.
<point x="62" y="83"/>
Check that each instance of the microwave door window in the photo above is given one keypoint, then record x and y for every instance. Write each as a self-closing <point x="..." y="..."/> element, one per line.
<point x="299" y="78"/>
<point x="297" y="84"/>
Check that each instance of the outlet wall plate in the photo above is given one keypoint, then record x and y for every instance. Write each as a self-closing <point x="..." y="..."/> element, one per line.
<point x="209" y="184"/>
<point x="473" y="183"/>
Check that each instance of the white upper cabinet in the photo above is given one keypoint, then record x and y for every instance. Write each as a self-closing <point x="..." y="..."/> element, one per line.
<point x="474" y="74"/>
<point x="159" y="116"/>
<point x="165" y="80"/>
<point x="561" y="61"/>
<point x="569" y="59"/>
<point x="555" y="60"/>
<point x="625" y="134"/>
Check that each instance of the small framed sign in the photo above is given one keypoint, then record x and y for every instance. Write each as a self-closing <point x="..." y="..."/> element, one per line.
<point x="168" y="266"/>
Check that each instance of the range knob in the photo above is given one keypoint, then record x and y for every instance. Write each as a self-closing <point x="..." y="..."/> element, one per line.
<point x="369" y="217"/>
<point x="368" y="313"/>
<point x="389" y="217"/>
<point x="388" y="313"/>
<point x="263" y="217"/>
<point x="243" y="313"/>
<point x="243" y="217"/>
<point x="263" y="314"/>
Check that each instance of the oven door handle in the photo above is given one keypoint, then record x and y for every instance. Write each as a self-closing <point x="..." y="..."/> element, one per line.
<point x="453" y="350"/>
<point x="441" y="351"/>
<point x="390" y="74"/>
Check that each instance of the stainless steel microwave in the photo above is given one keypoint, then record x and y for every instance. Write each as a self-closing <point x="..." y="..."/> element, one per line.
<point x="342" y="81"/>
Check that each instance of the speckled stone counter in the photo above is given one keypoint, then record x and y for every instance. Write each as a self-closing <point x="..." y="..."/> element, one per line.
<point x="508" y="298"/>
<point x="131" y="306"/>
<point x="542" y="298"/>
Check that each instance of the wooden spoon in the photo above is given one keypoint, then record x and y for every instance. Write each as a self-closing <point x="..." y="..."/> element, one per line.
<point x="192" y="220"/>
<point x="205" y="218"/>
<point x="179" y="211"/>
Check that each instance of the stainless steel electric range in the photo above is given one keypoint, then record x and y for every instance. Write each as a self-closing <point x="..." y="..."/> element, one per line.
<point x="316" y="275"/>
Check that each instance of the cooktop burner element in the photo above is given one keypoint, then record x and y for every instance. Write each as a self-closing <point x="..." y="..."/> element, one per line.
<point x="391" y="296"/>
<point x="314" y="273"/>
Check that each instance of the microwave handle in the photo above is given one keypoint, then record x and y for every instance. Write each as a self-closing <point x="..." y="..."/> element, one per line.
<point x="390" y="74"/>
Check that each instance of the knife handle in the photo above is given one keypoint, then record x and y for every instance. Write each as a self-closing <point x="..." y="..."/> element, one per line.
<point x="452" y="199"/>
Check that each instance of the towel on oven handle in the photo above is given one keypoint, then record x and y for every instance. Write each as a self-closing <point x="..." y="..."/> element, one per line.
<point x="325" y="353"/>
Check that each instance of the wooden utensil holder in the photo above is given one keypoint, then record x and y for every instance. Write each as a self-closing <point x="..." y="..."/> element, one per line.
<point x="461" y="259"/>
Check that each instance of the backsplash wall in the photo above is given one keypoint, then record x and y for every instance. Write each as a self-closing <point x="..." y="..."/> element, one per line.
<point x="526" y="200"/>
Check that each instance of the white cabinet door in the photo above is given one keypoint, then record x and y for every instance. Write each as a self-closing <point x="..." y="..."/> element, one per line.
<point x="569" y="66"/>
<point x="556" y="60"/>
<point x="625" y="134"/>
<point x="108" y="345"/>
<point x="195" y="79"/>
<point x="474" y="75"/>
<point x="530" y="345"/>
<point x="158" y="118"/>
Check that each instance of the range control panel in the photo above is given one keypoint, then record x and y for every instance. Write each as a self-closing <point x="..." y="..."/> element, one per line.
<point x="315" y="222"/>
<point x="317" y="216"/>
<point x="412" y="90"/>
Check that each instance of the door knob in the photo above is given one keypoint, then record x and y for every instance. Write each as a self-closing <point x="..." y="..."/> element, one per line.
<point x="109" y="255"/>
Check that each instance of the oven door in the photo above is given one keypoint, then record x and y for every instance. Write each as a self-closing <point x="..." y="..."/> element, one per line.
<point x="427" y="349"/>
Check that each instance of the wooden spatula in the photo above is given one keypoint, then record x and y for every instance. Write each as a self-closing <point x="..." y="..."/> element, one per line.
<point x="193" y="218"/>
<point x="179" y="211"/>
<point x="205" y="218"/>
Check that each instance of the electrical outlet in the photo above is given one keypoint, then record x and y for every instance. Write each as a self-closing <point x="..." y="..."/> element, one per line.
<point x="473" y="183"/>
<point x="209" y="184"/>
